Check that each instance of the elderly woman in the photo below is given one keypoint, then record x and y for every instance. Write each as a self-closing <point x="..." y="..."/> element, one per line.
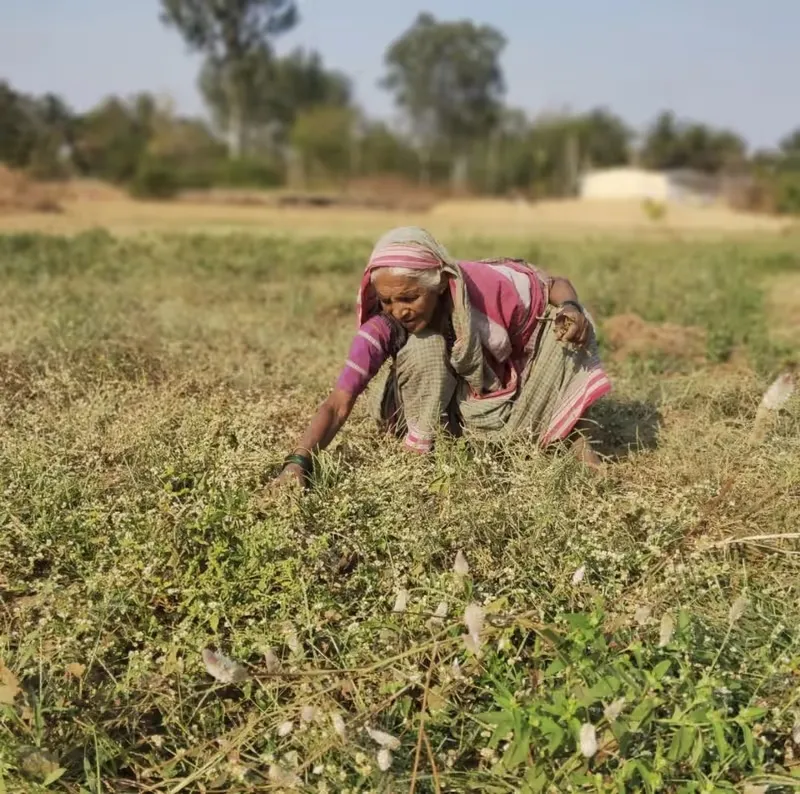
<point x="496" y="347"/>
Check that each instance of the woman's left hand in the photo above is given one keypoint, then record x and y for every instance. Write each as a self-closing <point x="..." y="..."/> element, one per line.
<point x="572" y="326"/>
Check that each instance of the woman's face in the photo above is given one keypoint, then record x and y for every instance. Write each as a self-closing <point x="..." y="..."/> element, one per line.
<point x="407" y="300"/>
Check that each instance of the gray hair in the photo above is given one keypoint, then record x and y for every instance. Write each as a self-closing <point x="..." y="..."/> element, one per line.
<point x="428" y="279"/>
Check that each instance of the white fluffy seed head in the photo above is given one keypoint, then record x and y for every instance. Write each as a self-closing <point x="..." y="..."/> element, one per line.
<point x="666" y="630"/>
<point x="738" y="608"/>
<point x="401" y="601"/>
<point x="272" y="661"/>
<point x="613" y="710"/>
<point x="779" y="392"/>
<point x="385" y="740"/>
<point x="224" y="669"/>
<point x="588" y="740"/>
<point x="285" y="728"/>
<point x="283" y="777"/>
<point x="339" y="726"/>
<point x="461" y="566"/>
<point x="308" y="713"/>
<point x="384" y="759"/>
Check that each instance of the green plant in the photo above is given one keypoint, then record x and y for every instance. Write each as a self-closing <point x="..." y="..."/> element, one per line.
<point x="151" y="385"/>
<point x="655" y="211"/>
<point x="155" y="178"/>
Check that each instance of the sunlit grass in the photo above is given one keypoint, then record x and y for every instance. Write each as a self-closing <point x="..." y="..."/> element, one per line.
<point x="149" y="388"/>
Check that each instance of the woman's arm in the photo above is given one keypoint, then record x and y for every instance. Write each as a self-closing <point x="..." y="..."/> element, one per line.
<point x="561" y="290"/>
<point x="368" y="352"/>
<point x="322" y="429"/>
<point x="571" y="324"/>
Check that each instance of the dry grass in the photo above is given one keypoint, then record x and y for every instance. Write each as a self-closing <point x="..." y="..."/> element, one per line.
<point x="88" y="207"/>
<point x="149" y="387"/>
<point x="21" y="195"/>
<point x="784" y="306"/>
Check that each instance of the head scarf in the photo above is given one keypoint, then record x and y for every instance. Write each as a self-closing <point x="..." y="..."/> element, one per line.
<point x="415" y="248"/>
<point x="406" y="246"/>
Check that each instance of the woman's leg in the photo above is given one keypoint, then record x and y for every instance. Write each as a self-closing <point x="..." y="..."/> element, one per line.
<point x="581" y="442"/>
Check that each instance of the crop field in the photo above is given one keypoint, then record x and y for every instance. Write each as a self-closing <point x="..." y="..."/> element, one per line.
<point x="488" y="619"/>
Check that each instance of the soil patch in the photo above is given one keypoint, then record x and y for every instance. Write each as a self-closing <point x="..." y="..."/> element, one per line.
<point x="629" y="334"/>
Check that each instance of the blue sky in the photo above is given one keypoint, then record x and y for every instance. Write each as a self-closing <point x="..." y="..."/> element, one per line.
<point x="728" y="62"/>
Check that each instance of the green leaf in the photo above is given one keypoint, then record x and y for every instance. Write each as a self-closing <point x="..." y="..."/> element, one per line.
<point x="699" y="715"/>
<point x="578" y="620"/>
<point x="684" y="619"/>
<point x="535" y="780"/>
<point x="747" y="735"/>
<point x="551" y="636"/>
<point x="660" y="670"/>
<point x="643" y="711"/>
<point x="604" y="689"/>
<point x="681" y="743"/>
<point x="53" y="776"/>
<point x="553" y="732"/>
<point x="554" y="668"/>
<point x="719" y="737"/>
<point x="517" y="752"/>
<point x="651" y="779"/>
<point x="751" y="713"/>
<point x="496" y="717"/>
<point x="698" y="751"/>
<point x="627" y="771"/>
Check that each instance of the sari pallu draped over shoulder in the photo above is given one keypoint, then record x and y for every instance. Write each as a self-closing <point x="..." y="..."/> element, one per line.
<point x="496" y="305"/>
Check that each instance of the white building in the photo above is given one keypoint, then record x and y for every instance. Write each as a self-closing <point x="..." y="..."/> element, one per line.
<point x="682" y="187"/>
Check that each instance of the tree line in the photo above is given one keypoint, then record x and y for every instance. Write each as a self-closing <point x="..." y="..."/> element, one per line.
<point x="291" y="120"/>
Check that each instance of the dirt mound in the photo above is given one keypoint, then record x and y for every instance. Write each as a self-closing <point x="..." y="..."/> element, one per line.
<point x="629" y="334"/>
<point x="93" y="190"/>
<point x="18" y="193"/>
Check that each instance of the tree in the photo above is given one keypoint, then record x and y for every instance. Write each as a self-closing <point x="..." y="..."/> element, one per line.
<point x="670" y="144"/>
<point x="384" y="152"/>
<point x="278" y="89"/>
<point x="604" y="139"/>
<point x="662" y="143"/>
<point x="447" y="78"/>
<point x="789" y="149"/>
<point x="111" y="139"/>
<point x="230" y="33"/>
<point x="323" y="137"/>
<point x="36" y="133"/>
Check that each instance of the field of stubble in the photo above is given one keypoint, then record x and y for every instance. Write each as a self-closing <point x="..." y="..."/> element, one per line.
<point x="637" y="631"/>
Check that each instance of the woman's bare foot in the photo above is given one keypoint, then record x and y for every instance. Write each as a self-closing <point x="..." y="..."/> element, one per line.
<point x="585" y="454"/>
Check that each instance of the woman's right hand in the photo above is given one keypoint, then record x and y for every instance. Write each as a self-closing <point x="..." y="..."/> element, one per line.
<point x="292" y="476"/>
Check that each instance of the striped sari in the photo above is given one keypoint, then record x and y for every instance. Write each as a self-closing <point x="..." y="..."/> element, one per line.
<point x="503" y="373"/>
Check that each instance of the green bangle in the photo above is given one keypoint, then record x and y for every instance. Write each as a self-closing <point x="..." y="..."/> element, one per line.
<point x="572" y="303"/>
<point x="302" y="461"/>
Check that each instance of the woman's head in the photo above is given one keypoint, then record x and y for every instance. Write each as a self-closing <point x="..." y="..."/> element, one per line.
<point x="405" y="277"/>
<point x="411" y="296"/>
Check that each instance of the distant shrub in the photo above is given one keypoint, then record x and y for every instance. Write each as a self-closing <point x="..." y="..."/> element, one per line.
<point x="155" y="178"/>
<point x="654" y="210"/>
<point x="247" y="172"/>
<point x="787" y="200"/>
